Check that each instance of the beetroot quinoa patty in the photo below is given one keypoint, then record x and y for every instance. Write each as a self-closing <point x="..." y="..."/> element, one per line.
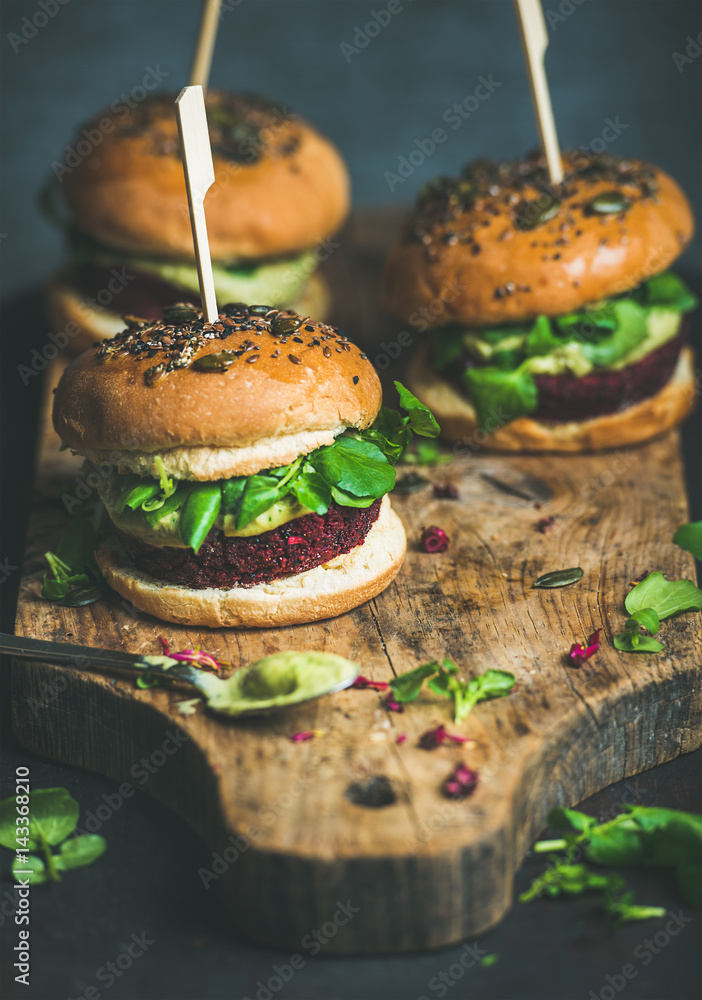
<point x="563" y="398"/>
<point x="226" y="562"/>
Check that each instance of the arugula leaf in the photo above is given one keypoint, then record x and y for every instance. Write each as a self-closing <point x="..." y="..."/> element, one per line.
<point x="312" y="490"/>
<point x="689" y="537"/>
<point x="541" y="339"/>
<point x="620" y="905"/>
<point x="648" y="618"/>
<point x="491" y="684"/>
<point x="448" y="346"/>
<point x="232" y="492"/>
<point x="407" y="686"/>
<point x="560" y="817"/>
<point x="80" y="851"/>
<point x="630" y="330"/>
<point x="35" y="865"/>
<point x="631" y="642"/>
<point x="443" y="679"/>
<point x="73" y="564"/>
<point x="643" y="835"/>
<point x="562" y="876"/>
<point x="618" y="845"/>
<point x="573" y="325"/>
<point x="665" y="597"/>
<point x="349" y="500"/>
<point x="200" y="511"/>
<point x="136" y="495"/>
<point x="51" y="818"/>
<point x="421" y="419"/>
<point x="260" y="493"/>
<point x="390" y="432"/>
<point x="500" y="395"/>
<point x="667" y="289"/>
<point x="172" y="503"/>
<point x="64" y="579"/>
<point x="355" y="466"/>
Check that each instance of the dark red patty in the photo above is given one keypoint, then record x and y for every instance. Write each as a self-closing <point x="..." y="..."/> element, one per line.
<point x="563" y="398"/>
<point x="226" y="562"/>
<point x="143" y="295"/>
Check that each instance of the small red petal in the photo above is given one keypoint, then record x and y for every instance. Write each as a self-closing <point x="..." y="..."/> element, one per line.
<point x="579" y="653"/>
<point x="435" y="737"/>
<point x="366" y="682"/>
<point x="401" y="737"/>
<point x="305" y="734"/>
<point x="392" y="705"/>
<point x="196" y="657"/>
<point x="434" y="539"/>
<point x="460" y="783"/>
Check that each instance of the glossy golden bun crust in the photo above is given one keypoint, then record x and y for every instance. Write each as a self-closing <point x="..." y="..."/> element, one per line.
<point x="637" y="423"/>
<point x="323" y="592"/>
<point x="470" y="261"/>
<point x="85" y="325"/>
<point x="106" y="401"/>
<point x="279" y="187"/>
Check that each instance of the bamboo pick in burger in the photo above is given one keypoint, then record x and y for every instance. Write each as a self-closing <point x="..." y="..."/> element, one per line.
<point x="199" y="178"/>
<point x="202" y="60"/>
<point x="534" y="43"/>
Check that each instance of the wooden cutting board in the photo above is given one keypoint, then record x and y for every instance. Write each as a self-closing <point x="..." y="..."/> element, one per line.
<point x="348" y="834"/>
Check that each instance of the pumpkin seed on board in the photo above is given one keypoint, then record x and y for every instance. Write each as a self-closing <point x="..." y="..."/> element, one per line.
<point x="559" y="578"/>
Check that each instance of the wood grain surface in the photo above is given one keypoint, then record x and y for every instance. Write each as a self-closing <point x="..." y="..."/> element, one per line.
<point x="286" y="821"/>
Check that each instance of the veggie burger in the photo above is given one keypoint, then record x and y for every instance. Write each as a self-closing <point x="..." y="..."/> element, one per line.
<point x="249" y="463"/>
<point x="553" y="322"/>
<point x="280" y="190"/>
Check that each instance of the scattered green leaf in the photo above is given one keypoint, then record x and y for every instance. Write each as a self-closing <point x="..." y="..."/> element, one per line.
<point x="50" y="818"/>
<point x="73" y="564"/>
<point x="689" y="537"/>
<point x="665" y="597"/>
<point x="443" y="679"/>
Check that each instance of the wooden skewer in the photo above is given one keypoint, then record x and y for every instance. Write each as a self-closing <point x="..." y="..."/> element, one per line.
<point x="534" y="43"/>
<point x="202" y="60"/>
<point x="199" y="178"/>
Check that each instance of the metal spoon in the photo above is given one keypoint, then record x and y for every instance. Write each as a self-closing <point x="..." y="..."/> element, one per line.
<point x="276" y="681"/>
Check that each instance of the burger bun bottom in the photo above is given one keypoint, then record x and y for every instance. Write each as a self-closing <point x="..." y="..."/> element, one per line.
<point x="323" y="592"/>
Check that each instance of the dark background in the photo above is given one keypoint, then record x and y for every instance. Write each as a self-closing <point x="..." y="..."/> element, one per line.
<point x="608" y="59"/>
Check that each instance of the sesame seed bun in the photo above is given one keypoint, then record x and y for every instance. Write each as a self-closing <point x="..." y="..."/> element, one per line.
<point x="323" y="592"/>
<point x="635" y="424"/>
<point x="275" y="399"/>
<point x="472" y="255"/>
<point x="85" y="325"/>
<point x="279" y="187"/>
